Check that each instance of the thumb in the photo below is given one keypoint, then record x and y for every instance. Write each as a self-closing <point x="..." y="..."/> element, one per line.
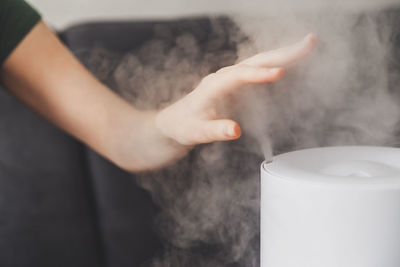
<point x="218" y="130"/>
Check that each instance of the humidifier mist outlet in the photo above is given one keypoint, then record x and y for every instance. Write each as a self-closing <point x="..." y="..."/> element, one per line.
<point x="331" y="207"/>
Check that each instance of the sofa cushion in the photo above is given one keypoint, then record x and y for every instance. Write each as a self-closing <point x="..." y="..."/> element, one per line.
<point x="46" y="205"/>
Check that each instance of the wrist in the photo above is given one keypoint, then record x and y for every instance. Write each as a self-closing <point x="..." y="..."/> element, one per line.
<point x="162" y="128"/>
<point x="138" y="143"/>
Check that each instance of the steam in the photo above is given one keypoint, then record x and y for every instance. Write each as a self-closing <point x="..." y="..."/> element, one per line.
<point x="340" y="95"/>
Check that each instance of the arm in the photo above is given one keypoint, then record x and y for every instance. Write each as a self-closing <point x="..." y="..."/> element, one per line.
<point x="44" y="75"/>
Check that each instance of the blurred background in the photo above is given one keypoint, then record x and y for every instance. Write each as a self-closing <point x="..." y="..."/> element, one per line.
<point x="62" y="204"/>
<point x="63" y="13"/>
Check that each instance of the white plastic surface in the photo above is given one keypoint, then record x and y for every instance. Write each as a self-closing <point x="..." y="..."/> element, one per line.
<point x="331" y="207"/>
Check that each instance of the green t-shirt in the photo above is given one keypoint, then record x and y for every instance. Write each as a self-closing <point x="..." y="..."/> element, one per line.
<point x="17" y="18"/>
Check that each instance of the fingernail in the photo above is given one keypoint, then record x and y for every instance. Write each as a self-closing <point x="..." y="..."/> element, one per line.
<point x="230" y="130"/>
<point x="275" y="70"/>
<point x="311" y="37"/>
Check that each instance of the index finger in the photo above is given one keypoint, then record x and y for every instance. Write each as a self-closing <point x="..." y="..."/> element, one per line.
<point x="285" y="56"/>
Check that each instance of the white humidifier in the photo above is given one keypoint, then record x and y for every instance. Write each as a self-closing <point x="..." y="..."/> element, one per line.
<point x="331" y="207"/>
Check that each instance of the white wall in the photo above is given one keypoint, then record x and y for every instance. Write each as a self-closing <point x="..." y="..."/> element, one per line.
<point x="61" y="13"/>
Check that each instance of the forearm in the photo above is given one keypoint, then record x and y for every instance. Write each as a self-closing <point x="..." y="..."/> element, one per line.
<point x="46" y="77"/>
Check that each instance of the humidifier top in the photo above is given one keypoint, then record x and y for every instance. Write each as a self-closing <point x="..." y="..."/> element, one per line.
<point x="339" y="165"/>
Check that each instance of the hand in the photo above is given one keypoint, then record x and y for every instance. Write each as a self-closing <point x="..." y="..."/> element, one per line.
<point x="196" y="119"/>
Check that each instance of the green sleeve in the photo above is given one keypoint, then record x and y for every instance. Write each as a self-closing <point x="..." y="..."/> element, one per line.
<point x="17" y="18"/>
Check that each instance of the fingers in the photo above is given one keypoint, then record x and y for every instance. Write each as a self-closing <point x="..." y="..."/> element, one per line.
<point x="284" y="56"/>
<point x="216" y="130"/>
<point x="262" y="68"/>
<point x="230" y="78"/>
